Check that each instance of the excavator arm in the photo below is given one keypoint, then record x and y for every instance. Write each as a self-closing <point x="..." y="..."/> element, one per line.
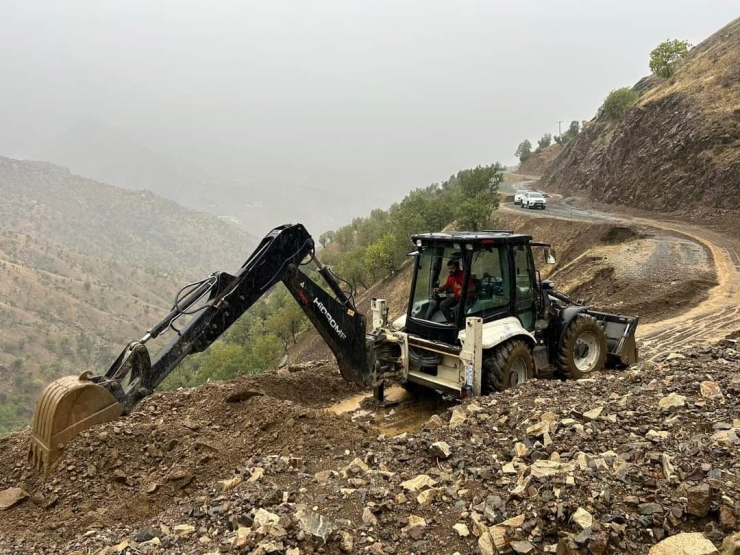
<point x="71" y="404"/>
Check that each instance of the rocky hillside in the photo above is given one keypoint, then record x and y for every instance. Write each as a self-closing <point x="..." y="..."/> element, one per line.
<point x="52" y="205"/>
<point x="677" y="148"/>
<point x="86" y="267"/>
<point x="612" y="464"/>
<point x="538" y="163"/>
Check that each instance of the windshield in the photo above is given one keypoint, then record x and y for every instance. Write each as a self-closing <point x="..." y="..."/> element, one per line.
<point x="535" y="195"/>
<point x="490" y="273"/>
<point x="431" y="268"/>
<point x="488" y="286"/>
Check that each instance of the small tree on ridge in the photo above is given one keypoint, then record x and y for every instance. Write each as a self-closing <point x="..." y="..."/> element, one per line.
<point x="524" y="150"/>
<point x="663" y="58"/>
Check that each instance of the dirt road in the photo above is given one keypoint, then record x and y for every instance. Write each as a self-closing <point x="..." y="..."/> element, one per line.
<point x="712" y="319"/>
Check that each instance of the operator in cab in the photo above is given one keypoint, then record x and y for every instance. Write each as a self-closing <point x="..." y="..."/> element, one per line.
<point x="453" y="285"/>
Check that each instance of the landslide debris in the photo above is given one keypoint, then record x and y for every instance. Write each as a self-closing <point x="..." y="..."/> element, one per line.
<point x="171" y="445"/>
<point x="623" y="269"/>
<point x="612" y="464"/>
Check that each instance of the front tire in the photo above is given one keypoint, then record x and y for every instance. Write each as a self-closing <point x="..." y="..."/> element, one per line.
<point x="582" y="350"/>
<point x="506" y="366"/>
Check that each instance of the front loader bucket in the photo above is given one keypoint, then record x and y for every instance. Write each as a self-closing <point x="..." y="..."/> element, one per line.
<point x="620" y="338"/>
<point x="65" y="408"/>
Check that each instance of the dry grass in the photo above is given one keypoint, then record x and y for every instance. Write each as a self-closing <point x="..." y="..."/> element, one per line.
<point x="63" y="312"/>
<point x="710" y="74"/>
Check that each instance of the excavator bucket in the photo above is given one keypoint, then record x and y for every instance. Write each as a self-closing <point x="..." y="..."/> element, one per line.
<point x="620" y="338"/>
<point x="65" y="408"/>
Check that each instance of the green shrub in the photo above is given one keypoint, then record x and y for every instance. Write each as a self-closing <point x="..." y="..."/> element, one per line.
<point x="618" y="102"/>
<point x="663" y="58"/>
<point x="524" y="150"/>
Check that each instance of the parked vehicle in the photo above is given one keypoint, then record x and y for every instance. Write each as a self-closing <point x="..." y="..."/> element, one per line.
<point x="534" y="199"/>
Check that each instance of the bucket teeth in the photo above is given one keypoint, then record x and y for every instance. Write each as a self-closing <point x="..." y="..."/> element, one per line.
<point x="65" y="408"/>
<point x="38" y="457"/>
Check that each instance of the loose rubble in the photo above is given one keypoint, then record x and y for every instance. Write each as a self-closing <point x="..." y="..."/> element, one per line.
<point x="599" y="466"/>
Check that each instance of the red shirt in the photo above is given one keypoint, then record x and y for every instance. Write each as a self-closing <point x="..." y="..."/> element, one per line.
<point x="454" y="283"/>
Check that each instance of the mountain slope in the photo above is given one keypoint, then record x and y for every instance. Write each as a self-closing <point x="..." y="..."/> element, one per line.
<point x="678" y="147"/>
<point x="86" y="267"/>
<point x="538" y="163"/>
<point x="51" y="204"/>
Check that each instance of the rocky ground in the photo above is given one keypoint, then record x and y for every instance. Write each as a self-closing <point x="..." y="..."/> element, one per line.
<point x="613" y="464"/>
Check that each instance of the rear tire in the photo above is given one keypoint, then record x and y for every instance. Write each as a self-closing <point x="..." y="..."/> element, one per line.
<point x="506" y="366"/>
<point x="583" y="348"/>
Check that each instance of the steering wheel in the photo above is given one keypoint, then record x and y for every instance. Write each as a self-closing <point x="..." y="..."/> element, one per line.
<point x="494" y="285"/>
<point x="438" y="295"/>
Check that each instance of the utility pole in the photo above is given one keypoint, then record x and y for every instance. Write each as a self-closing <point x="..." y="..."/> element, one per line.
<point x="560" y="134"/>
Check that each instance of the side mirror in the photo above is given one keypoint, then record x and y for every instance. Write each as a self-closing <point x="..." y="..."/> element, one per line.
<point x="549" y="256"/>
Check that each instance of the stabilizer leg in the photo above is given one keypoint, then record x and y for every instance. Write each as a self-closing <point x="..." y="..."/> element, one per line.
<point x="379" y="392"/>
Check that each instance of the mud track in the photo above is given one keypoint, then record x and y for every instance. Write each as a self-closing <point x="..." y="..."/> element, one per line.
<point x="713" y="318"/>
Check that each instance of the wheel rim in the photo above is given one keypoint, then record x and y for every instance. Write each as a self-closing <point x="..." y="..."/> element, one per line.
<point x="586" y="352"/>
<point x="518" y="372"/>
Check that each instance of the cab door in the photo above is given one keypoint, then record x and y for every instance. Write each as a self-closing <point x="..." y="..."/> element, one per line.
<point x="524" y="286"/>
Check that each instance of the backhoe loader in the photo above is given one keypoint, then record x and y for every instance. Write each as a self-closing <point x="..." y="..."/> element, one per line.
<point x="507" y="326"/>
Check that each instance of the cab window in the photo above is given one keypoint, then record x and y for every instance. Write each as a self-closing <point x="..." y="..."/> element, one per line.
<point x="490" y="274"/>
<point x="525" y="286"/>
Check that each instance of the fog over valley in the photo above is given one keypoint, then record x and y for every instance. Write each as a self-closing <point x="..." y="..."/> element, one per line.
<point x="313" y="111"/>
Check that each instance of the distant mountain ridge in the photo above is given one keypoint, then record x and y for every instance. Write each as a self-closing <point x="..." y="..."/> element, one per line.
<point x="677" y="148"/>
<point x="50" y="203"/>
<point x="86" y="267"/>
<point x="258" y="196"/>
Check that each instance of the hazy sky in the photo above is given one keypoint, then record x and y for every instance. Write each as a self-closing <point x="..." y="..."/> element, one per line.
<point x="403" y="92"/>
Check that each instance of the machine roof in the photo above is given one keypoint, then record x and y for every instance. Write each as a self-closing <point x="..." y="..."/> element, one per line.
<point x="498" y="236"/>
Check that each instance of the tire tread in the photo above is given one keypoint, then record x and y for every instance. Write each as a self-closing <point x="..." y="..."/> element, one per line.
<point x="564" y="362"/>
<point x="495" y="365"/>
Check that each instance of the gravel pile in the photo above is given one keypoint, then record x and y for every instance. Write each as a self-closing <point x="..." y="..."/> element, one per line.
<point x="614" y="464"/>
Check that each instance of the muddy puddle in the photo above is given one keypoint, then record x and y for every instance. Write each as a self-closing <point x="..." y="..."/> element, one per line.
<point x="400" y="412"/>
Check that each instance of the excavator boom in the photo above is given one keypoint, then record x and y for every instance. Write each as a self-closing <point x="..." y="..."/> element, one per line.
<point x="71" y="404"/>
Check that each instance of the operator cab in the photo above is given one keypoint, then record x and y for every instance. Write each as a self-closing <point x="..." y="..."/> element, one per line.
<point x="498" y="280"/>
